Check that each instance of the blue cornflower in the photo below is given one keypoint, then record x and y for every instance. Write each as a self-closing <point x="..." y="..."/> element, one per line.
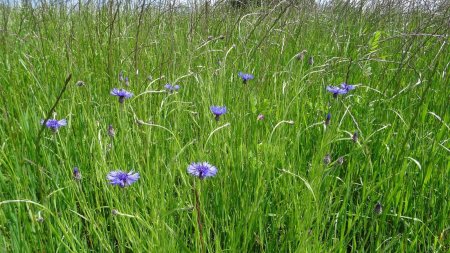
<point x="121" y="178"/>
<point x="347" y="87"/>
<point x="76" y="173"/>
<point x="202" y="170"/>
<point x="336" y="91"/>
<point x="54" y="124"/>
<point x="171" y="88"/>
<point x="121" y="93"/>
<point x="218" y="110"/>
<point x="245" y="77"/>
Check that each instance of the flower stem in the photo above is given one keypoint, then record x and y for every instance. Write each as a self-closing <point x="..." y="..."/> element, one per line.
<point x="199" y="219"/>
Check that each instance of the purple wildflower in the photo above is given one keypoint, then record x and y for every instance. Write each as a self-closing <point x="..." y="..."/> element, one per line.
<point x="336" y="91"/>
<point x="54" y="124"/>
<point x="347" y="87"/>
<point x="260" y="117"/>
<point x="121" y="178"/>
<point x="344" y="89"/>
<point x="127" y="81"/>
<point x="171" y="88"/>
<point x="202" y="170"/>
<point x="76" y="173"/>
<point x="245" y="77"/>
<point x="121" y="93"/>
<point x="218" y="110"/>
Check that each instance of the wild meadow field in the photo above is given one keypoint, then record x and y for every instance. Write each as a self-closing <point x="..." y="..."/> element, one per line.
<point x="335" y="136"/>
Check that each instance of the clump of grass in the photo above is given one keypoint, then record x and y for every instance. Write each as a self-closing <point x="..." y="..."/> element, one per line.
<point x="375" y="178"/>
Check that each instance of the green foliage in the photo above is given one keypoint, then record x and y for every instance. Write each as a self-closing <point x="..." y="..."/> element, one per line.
<point x="373" y="43"/>
<point x="273" y="192"/>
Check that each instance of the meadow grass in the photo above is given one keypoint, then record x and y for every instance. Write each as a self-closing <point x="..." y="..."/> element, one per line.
<point x="273" y="192"/>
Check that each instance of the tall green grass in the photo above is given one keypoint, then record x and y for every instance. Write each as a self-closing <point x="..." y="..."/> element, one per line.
<point x="273" y="192"/>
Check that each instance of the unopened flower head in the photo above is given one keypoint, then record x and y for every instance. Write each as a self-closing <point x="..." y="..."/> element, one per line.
<point x="311" y="60"/>
<point x="39" y="217"/>
<point x="202" y="170"/>
<point x="122" y="178"/>
<point x="80" y="83"/>
<point x="111" y="131"/>
<point x="378" y="209"/>
<point x="328" y="119"/>
<point x="355" y="136"/>
<point x="54" y="124"/>
<point x="327" y="159"/>
<point x="121" y="93"/>
<point x="127" y="81"/>
<point x="245" y="77"/>
<point x="171" y="88"/>
<point x="340" y="160"/>
<point x="121" y="76"/>
<point x="218" y="111"/>
<point x="300" y="56"/>
<point x="76" y="173"/>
